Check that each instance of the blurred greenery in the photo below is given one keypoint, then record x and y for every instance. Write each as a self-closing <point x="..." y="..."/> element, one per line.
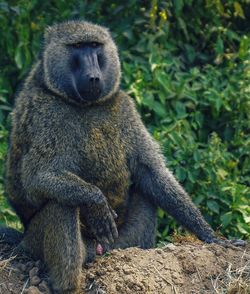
<point x="187" y="65"/>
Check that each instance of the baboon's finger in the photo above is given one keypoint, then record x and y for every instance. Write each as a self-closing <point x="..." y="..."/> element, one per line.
<point x="114" y="229"/>
<point x="239" y="242"/>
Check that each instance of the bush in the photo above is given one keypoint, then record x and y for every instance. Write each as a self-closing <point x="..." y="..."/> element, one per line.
<point x="186" y="64"/>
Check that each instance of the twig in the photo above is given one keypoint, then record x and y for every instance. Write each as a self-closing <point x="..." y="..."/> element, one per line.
<point x="162" y="276"/>
<point x="24" y="286"/>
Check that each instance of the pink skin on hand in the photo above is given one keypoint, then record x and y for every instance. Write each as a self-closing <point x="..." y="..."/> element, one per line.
<point x="99" y="249"/>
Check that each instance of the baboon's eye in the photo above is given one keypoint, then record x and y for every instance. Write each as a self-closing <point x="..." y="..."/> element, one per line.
<point x="78" y="45"/>
<point x="86" y="44"/>
<point x="94" y="44"/>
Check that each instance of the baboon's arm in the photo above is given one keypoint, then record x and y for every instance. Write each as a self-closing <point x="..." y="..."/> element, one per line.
<point x="156" y="181"/>
<point x="67" y="188"/>
<point x="161" y="187"/>
<point x="63" y="186"/>
<point x="149" y="173"/>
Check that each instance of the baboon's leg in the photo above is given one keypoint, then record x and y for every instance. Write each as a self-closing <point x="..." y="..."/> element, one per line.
<point x="54" y="236"/>
<point x="139" y="228"/>
<point x="90" y="245"/>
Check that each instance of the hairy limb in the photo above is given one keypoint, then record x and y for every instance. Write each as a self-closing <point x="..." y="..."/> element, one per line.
<point x="64" y="187"/>
<point x="139" y="228"/>
<point x="90" y="245"/>
<point x="155" y="181"/>
<point x="68" y="189"/>
<point x="54" y="236"/>
<point x="149" y="173"/>
<point x="162" y="188"/>
<point x="159" y="185"/>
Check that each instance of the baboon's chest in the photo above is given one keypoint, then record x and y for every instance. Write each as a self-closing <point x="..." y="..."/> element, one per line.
<point x="104" y="161"/>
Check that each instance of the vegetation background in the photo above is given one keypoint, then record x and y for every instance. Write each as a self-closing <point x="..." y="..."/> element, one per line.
<point x="187" y="65"/>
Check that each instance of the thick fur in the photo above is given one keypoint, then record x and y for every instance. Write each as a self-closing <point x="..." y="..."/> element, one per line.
<point x="72" y="166"/>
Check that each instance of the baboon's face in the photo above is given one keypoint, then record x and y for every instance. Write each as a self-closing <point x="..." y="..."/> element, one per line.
<point x="81" y="62"/>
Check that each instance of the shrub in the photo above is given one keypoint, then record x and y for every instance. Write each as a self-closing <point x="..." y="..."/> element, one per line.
<point x="186" y="63"/>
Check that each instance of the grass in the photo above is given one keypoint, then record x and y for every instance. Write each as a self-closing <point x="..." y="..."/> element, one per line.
<point x="234" y="281"/>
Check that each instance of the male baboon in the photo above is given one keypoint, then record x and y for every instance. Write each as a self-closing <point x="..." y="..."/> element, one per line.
<point x="82" y="167"/>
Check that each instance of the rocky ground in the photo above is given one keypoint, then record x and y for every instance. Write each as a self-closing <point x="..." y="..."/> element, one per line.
<point x="174" y="268"/>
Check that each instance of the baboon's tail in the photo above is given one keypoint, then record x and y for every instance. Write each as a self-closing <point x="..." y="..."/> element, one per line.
<point x="10" y="236"/>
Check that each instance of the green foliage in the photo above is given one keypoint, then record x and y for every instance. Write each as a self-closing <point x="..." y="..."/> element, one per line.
<point x="187" y="65"/>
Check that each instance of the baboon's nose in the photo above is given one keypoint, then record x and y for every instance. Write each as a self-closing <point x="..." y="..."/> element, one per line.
<point x="94" y="80"/>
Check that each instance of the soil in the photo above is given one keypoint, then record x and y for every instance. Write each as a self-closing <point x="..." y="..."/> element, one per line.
<point x="175" y="268"/>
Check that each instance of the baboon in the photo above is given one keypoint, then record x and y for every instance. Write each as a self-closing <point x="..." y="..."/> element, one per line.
<point x="82" y="169"/>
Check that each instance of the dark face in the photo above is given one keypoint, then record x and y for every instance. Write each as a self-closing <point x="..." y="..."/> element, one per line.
<point x="80" y="62"/>
<point x="86" y="63"/>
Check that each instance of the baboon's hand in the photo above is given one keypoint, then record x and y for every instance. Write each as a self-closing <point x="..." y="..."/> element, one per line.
<point x="100" y="220"/>
<point x="226" y="242"/>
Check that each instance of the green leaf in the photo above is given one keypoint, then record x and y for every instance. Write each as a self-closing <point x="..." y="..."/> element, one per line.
<point x="183" y="27"/>
<point x="19" y="56"/>
<point x="244" y="228"/>
<point x="198" y="199"/>
<point x="191" y="53"/>
<point x="226" y="218"/>
<point x="213" y="206"/>
<point x="161" y="213"/>
<point x="178" y="4"/>
<point x="181" y="173"/>
<point x="197" y="156"/>
<point x="181" y="110"/>
<point x="159" y="109"/>
<point x="162" y="78"/>
<point x="190" y="177"/>
<point x="238" y="9"/>
<point x="219" y="46"/>
<point x="245" y="211"/>
<point x="221" y="173"/>
<point x="244" y="46"/>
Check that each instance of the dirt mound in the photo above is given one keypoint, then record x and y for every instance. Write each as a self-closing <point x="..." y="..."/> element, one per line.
<point x="180" y="268"/>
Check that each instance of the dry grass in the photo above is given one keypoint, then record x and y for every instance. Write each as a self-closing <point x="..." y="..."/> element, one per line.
<point x="5" y="263"/>
<point x="186" y="238"/>
<point x="234" y="281"/>
<point x="5" y="260"/>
